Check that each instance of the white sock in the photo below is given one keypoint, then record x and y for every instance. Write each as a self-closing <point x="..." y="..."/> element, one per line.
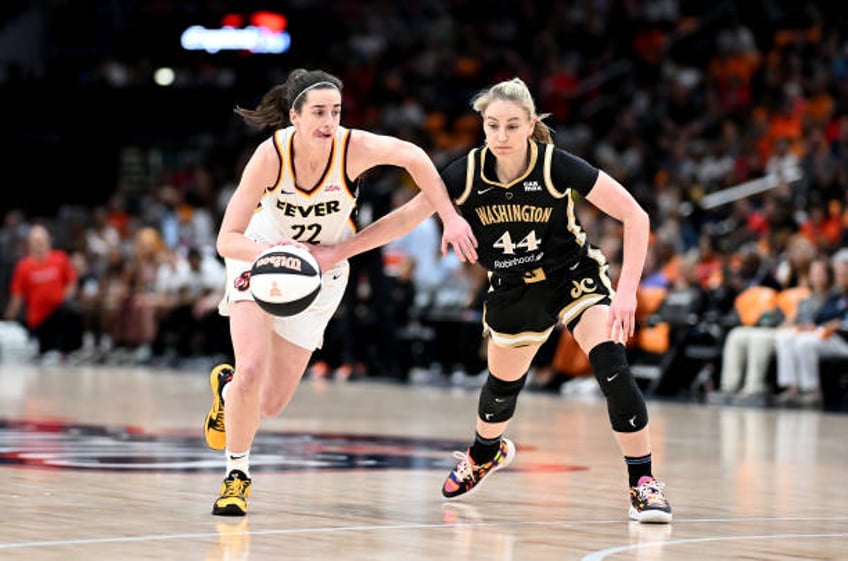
<point x="224" y="389"/>
<point x="239" y="461"/>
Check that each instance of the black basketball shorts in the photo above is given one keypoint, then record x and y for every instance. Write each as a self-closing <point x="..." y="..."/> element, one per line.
<point x="524" y="312"/>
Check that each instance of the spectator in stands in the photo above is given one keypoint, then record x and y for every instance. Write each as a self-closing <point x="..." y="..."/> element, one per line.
<point x="44" y="282"/>
<point x="793" y="264"/>
<point x="194" y="290"/>
<point x="145" y="301"/>
<point x="798" y="353"/>
<point x="101" y="237"/>
<point x="748" y="350"/>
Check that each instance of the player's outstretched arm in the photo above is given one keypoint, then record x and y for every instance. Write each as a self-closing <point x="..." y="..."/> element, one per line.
<point x="369" y="150"/>
<point x="393" y="225"/>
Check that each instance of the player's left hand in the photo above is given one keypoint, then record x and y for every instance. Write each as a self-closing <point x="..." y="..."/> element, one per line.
<point x="622" y="317"/>
<point x="458" y="233"/>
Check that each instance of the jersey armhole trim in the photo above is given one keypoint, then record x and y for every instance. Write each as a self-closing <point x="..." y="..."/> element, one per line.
<point x="278" y="148"/>
<point x="469" y="178"/>
<point x="548" y="161"/>
<point x="347" y="180"/>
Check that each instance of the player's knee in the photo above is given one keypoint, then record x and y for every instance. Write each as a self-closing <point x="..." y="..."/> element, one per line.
<point x="625" y="403"/>
<point x="270" y="409"/>
<point x="498" y="399"/>
<point x="273" y="401"/>
<point x="248" y="383"/>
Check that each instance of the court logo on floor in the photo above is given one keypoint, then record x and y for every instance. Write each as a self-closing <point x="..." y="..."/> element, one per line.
<point x="61" y="445"/>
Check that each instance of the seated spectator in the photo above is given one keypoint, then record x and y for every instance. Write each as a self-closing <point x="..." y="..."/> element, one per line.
<point x="799" y="351"/>
<point x="748" y="350"/>
<point x="193" y="286"/>
<point x="146" y="301"/>
<point x="44" y="282"/>
<point x="102" y="290"/>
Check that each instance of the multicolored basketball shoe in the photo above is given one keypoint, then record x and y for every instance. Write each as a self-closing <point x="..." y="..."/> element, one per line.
<point x="234" y="492"/>
<point x="467" y="476"/>
<point x="213" y="428"/>
<point x="647" y="502"/>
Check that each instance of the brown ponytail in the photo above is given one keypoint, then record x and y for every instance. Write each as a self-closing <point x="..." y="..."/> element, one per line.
<point x="273" y="110"/>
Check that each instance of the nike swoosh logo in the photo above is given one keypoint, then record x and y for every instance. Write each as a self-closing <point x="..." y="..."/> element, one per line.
<point x="488" y="415"/>
<point x="484" y="191"/>
<point x="633" y="421"/>
<point x="500" y="399"/>
<point x="574" y="266"/>
<point x="337" y="277"/>
<point x="611" y="378"/>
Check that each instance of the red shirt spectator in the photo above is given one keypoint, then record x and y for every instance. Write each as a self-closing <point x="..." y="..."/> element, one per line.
<point x="42" y="279"/>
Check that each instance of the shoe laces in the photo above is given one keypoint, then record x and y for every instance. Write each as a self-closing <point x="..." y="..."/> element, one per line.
<point x="234" y="487"/>
<point x="651" y="492"/>
<point x="219" y="421"/>
<point x="465" y="467"/>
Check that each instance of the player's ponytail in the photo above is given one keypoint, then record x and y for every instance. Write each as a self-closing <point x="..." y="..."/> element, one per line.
<point x="273" y="110"/>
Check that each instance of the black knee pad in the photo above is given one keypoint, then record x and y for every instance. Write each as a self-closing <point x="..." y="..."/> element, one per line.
<point x="625" y="403"/>
<point x="498" y="399"/>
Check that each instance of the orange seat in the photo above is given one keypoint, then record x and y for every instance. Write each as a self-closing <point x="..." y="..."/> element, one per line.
<point x="753" y="302"/>
<point x="648" y="301"/>
<point x="787" y="300"/>
<point x="654" y="338"/>
<point x="569" y="358"/>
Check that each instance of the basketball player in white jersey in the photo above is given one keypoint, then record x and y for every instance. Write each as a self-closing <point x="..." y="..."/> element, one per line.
<point x="297" y="188"/>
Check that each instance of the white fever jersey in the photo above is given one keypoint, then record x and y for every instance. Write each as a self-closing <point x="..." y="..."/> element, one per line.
<point x="321" y="213"/>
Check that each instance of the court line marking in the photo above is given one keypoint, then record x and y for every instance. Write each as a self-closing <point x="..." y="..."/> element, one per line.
<point x="509" y="523"/>
<point x="604" y="553"/>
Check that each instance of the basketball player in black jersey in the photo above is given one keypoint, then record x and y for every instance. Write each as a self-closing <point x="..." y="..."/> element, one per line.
<point x="518" y="193"/>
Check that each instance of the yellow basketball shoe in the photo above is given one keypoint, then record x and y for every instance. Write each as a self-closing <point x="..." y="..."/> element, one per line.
<point x="213" y="427"/>
<point x="234" y="492"/>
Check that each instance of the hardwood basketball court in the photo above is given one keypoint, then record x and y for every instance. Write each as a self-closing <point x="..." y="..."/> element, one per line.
<point x="109" y="463"/>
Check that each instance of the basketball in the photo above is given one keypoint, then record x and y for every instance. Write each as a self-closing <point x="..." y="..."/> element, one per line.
<point x="284" y="280"/>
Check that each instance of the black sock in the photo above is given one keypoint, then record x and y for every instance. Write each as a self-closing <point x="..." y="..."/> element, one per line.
<point x="484" y="449"/>
<point x="637" y="468"/>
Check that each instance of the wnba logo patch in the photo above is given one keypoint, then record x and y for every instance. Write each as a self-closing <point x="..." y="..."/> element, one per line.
<point x="242" y="283"/>
<point x="275" y="290"/>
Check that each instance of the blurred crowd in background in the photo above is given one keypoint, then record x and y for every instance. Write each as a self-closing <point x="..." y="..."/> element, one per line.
<point x="677" y="100"/>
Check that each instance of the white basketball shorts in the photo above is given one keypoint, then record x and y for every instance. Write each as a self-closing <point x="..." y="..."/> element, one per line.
<point x="305" y="329"/>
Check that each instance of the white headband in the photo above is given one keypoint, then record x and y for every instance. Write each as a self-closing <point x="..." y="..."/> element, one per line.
<point x="313" y="86"/>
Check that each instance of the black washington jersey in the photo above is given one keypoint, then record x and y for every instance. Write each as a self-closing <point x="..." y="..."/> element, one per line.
<point x="529" y="223"/>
